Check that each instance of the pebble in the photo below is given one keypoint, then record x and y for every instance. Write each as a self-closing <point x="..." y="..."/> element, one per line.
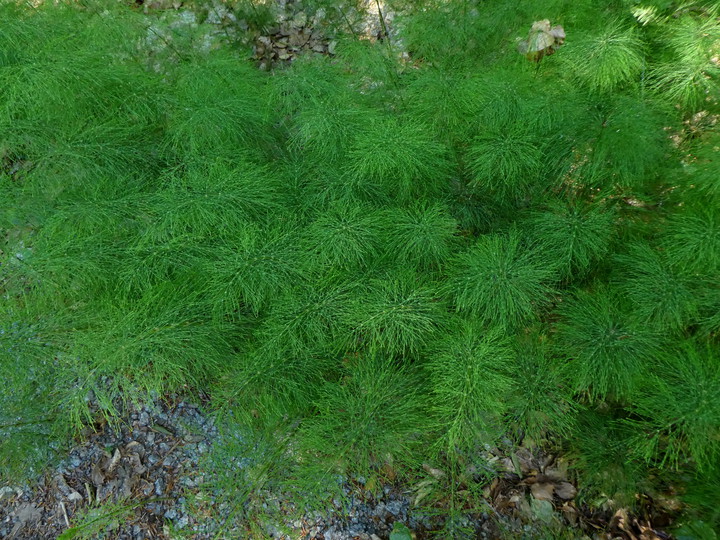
<point x="6" y="492"/>
<point x="394" y="507"/>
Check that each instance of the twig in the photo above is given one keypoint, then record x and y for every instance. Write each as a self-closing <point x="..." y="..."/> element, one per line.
<point x="386" y="35"/>
<point x="159" y="462"/>
<point x="67" y="521"/>
<point x="347" y="21"/>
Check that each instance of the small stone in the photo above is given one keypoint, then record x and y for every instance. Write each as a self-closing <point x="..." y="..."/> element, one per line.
<point x="300" y="20"/>
<point x="170" y="514"/>
<point x="394" y="507"/>
<point x="182" y="522"/>
<point x="159" y="487"/>
<point x="6" y="492"/>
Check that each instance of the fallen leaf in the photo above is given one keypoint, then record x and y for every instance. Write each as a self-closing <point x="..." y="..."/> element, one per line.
<point x="570" y="513"/>
<point x="565" y="490"/>
<point x="543" y="40"/>
<point x="621" y="522"/>
<point x="423" y="490"/>
<point x="542" y="491"/>
<point x="525" y="461"/>
<point x="26" y="515"/>
<point x="97" y="476"/>
<point x="114" y="462"/>
<point x="135" y="447"/>
<point x="435" y="473"/>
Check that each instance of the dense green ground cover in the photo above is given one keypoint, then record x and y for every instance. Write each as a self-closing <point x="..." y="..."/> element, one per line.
<point x="392" y="260"/>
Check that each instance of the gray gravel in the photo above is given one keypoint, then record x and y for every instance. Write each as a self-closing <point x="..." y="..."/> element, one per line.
<point x="158" y="465"/>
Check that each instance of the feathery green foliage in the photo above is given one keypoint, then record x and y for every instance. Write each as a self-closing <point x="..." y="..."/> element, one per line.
<point x="577" y="236"/>
<point x="506" y="160"/>
<point x="692" y="241"/>
<point x="397" y="158"/>
<point x="662" y="298"/>
<point x="345" y="236"/>
<point x="469" y="378"/>
<point x="372" y="415"/>
<point x="541" y="401"/>
<point x="680" y="410"/>
<point x="608" y="352"/>
<point x="397" y="315"/>
<point x="375" y="260"/>
<point x="605" y="60"/>
<point x="501" y="280"/>
<point x="421" y="236"/>
<point x="629" y="143"/>
<point x="689" y="78"/>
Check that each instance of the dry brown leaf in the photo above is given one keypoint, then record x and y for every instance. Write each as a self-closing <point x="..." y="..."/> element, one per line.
<point x="114" y="462"/>
<point x="565" y="490"/>
<point x="423" y="490"/>
<point x="558" y="471"/>
<point x="435" y="473"/>
<point x="542" y="491"/>
<point x="136" y="465"/>
<point x="620" y="521"/>
<point x="543" y="40"/>
<point x="135" y="447"/>
<point x="570" y="513"/>
<point x="97" y="476"/>
<point x="525" y="461"/>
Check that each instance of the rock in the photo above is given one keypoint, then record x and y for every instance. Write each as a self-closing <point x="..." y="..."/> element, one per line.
<point x="300" y="20"/>
<point x="394" y="507"/>
<point x="6" y="493"/>
<point x="62" y="486"/>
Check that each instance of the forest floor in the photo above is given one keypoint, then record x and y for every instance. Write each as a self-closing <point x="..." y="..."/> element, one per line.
<point x="150" y="475"/>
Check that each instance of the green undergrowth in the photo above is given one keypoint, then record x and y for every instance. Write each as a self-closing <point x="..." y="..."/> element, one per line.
<point x="381" y="263"/>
